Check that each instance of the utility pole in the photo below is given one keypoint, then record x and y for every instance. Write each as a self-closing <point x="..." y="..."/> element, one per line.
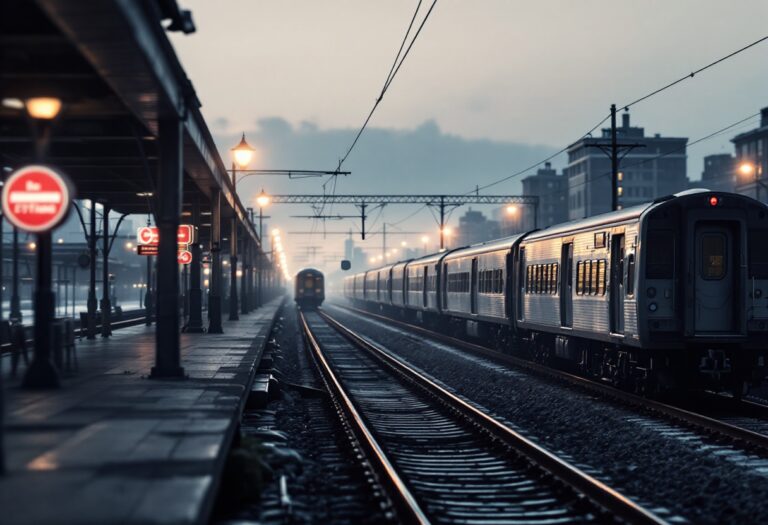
<point x="384" y="241"/>
<point x="614" y="162"/>
<point x="442" y="222"/>
<point x="615" y="151"/>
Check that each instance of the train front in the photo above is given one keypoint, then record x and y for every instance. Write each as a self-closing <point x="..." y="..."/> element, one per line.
<point x="704" y="287"/>
<point x="309" y="292"/>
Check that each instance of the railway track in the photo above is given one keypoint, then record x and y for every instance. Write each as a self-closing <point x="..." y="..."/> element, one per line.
<point x="744" y="424"/>
<point x="442" y="460"/>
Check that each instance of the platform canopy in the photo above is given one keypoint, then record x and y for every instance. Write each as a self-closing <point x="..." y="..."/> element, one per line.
<point x="115" y="71"/>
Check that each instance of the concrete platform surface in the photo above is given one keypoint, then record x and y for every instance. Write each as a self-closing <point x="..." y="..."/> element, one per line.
<point x="113" y="446"/>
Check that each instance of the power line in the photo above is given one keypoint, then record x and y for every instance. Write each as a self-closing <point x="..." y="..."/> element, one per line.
<point x="692" y="74"/>
<point x="390" y="78"/>
<point x="670" y="152"/>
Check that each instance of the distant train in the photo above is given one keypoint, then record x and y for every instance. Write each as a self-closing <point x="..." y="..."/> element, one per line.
<point x="309" y="292"/>
<point x="668" y="294"/>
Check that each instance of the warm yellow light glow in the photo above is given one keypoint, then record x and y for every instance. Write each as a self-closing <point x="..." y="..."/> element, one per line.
<point x="380" y="257"/>
<point x="206" y="271"/>
<point x="275" y="232"/>
<point x="447" y="231"/>
<point x="239" y="273"/>
<point x="511" y="209"/>
<point x="225" y="262"/>
<point x="129" y="245"/>
<point x="45" y="108"/>
<point x="206" y="282"/>
<point x="746" y="168"/>
<point x="243" y="153"/>
<point x="263" y="199"/>
<point x="425" y="239"/>
<point x="32" y="246"/>
<point x="403" y="244"/>
<point x="60" y="241"/>
<point x="372" y="260"/>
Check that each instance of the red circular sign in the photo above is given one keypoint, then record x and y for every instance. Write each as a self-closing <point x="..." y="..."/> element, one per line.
<point x="184" y="257"/>
<point x="36" y="198"/>
<point x="147" y="235"/>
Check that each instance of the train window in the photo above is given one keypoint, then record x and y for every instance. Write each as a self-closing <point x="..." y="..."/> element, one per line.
<point x="660" y="255"/>
<point x="630" y="287"/>
<point x="556" y="268"/>
<point x="588" y="278"/>
<point x="601" y="277"/>
<point x="757" y="249"/>
<point x="579" y="278"/>
<point x="713" y="253"/>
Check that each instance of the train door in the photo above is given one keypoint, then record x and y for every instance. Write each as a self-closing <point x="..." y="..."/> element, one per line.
<point x="473" y="286"/>
<point x="521" y="273"/>
<point x="424" y="287"/>
<point x="566" y="284"/>
<point x="716" y="271"/>
<point x="616" y="304"/>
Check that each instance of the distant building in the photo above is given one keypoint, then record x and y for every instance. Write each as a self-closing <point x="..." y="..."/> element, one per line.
<point x="718" y="173"/>
<point x="474" y="227"/>
<point x="644" y="174"/>
<point x="552" y="191"/>
<point x="752" y="151"/>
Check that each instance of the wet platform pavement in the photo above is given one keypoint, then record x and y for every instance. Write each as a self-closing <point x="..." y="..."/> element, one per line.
<point x="113" y="446"/>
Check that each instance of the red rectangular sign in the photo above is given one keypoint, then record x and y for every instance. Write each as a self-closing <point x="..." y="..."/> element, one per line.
<point x="147" y="249"/>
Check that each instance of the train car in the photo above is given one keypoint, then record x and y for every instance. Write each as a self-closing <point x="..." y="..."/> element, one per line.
<point x="475" y="294"/>
<point x="309" y="290"/>
<point x="421" y="294"/>
<point x="664" y="293"/>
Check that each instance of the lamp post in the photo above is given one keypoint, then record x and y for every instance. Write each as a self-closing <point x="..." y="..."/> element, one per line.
<point x="242" y="155"/>
<point x="263" y="201"/>
<point x="425" y="241"/>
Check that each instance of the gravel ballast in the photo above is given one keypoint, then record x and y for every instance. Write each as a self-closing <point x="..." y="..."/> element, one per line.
<point x="674" y="472"/>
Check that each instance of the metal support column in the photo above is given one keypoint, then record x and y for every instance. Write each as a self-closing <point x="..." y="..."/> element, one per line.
<point x="41" y="372"/>
<point x="92" y="275"/>
<point x="106" y="304"/>
<point x="442" y="222"/>
<point x="149" y="303"/>
<point x="195" y="322"/>
<point x="244" y="303"/>
<point x="214" y="294"/>
<point x="15" y="300"/>
<point x="233" y="302"/>
<point x="169" y="194"/>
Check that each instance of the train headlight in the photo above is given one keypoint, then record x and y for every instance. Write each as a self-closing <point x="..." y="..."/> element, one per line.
<point x="651" y="292"/>
<point x="653" y="307"/>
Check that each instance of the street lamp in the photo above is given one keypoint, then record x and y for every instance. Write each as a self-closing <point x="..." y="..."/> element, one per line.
<point x="425" y="241"/>
<point x="511" y="209"/>
<point x="749" y="169"/>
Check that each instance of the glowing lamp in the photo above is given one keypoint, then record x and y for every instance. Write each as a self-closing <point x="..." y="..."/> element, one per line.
<point x="714" y="201"/>
<point x="43" y="108"/>
<point x="243" y="153"/>
<point x="263" y="199"/>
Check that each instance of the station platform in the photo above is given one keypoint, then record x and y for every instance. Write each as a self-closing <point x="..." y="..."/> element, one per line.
<point x="112" y="446"/>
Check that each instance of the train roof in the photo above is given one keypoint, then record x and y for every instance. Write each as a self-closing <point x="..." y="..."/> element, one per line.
<point x="609" y="218"/>
<point x="304" y="270"/>
<point x="505" y="243"/>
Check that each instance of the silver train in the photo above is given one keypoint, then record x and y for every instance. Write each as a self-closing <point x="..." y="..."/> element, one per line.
<point x="672" y="294"/>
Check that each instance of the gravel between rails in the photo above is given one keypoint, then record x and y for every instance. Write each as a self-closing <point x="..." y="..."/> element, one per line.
<point x="673" y="472"/>
<point x="327" y="485"/>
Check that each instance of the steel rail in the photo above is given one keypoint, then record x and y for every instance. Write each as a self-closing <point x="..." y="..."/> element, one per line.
<point x="700" y="422"/>
<point x="598" y="492"/>
<point x="401" y="497"/>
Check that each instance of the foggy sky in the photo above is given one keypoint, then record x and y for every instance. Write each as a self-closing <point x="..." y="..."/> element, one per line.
<point x="493" y="81"/>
